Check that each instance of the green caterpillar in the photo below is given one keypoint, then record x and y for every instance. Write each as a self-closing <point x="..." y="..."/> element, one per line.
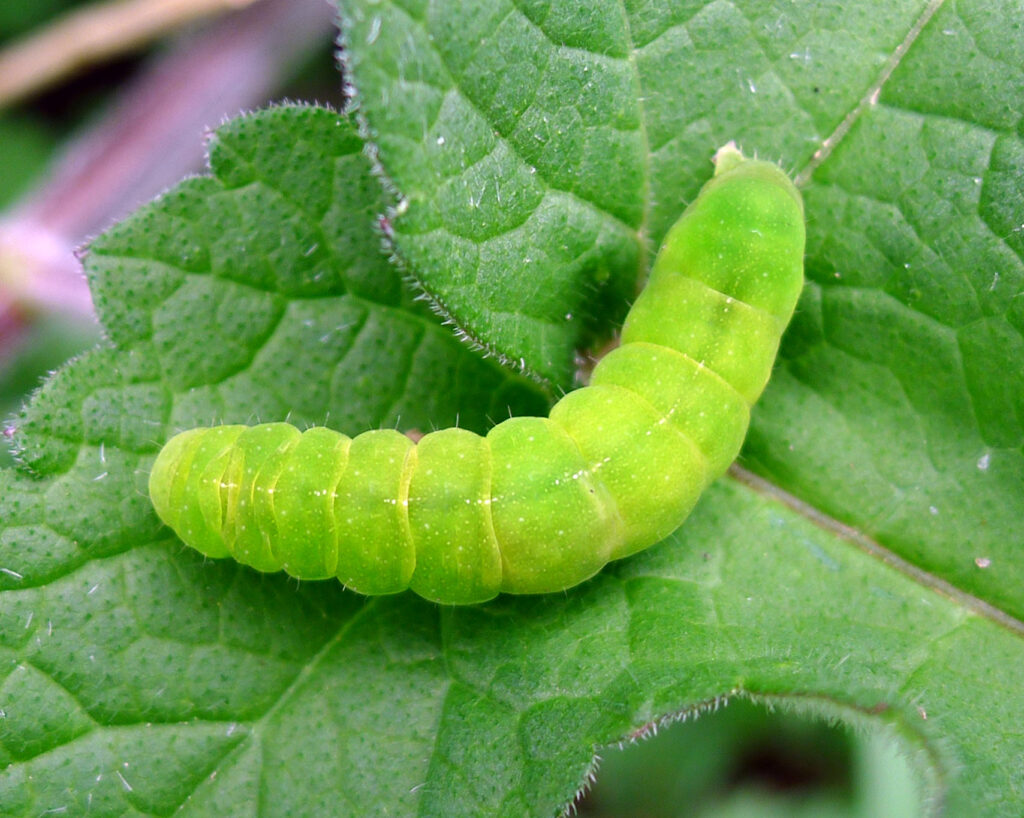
<point x="538" y="504"/>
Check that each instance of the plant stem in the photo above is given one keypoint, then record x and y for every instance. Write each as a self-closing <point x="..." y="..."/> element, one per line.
<point x="94" y="33"/>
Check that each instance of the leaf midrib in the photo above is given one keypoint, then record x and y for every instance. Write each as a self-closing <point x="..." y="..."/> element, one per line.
<point x="875" y="549"/>
<point x="870" y="96"/>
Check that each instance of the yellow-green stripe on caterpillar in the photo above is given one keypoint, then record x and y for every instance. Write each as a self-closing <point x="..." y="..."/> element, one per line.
<point x="538" y="504"/>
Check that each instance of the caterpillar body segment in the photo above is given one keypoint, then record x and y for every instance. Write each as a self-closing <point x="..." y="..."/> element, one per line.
<point x="538" y="504"/>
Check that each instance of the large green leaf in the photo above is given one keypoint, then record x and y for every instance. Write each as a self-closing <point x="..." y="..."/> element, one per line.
<point x="868" y="569"/>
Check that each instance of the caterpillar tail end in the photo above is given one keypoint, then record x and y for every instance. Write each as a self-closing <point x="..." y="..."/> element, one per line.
<point x="727" y="157"/>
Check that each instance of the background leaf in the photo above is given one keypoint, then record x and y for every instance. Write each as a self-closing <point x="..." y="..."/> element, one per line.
<point x="140" y="679"/>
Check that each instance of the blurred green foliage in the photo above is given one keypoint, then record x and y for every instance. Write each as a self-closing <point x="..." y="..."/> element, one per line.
<point x="17" y="18"/>
<point x="744" y="761"/>
<point x="27" y="145"/>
